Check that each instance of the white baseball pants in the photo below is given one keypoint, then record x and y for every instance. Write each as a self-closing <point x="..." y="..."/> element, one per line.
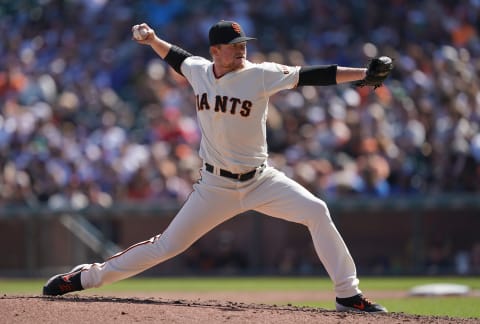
<point x="216" y="199"/>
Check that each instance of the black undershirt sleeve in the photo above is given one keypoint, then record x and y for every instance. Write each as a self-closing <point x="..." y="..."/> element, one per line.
<point x="175" y="57"/>
<point x="318" y="75"/>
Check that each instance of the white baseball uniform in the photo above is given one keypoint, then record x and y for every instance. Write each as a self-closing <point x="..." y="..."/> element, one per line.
<point x="232" y="113"/>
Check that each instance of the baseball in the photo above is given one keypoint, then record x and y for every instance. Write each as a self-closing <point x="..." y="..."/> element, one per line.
<point x="140" y="33"/>
<point x="385" y="59"/>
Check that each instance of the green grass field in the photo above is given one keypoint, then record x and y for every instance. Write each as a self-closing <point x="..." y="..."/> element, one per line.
<point x="454" y="306"/>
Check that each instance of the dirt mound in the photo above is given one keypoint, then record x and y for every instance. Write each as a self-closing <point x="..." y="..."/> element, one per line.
<point x="99" y="309"/>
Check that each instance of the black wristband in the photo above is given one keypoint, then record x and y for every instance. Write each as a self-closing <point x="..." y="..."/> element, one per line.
<point x="321" y="75"/>
<point x="175" y="57"/>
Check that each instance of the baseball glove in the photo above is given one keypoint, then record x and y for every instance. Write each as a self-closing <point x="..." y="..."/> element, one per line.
<point x="378" y="70"/>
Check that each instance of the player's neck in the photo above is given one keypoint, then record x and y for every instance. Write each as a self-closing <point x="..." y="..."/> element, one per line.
<point x="219" y="71"/>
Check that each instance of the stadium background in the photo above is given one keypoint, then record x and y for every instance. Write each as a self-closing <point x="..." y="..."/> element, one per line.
<point x="98" y="137"/>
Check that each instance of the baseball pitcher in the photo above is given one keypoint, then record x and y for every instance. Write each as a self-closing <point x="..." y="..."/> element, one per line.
<point x="232" y="97"/>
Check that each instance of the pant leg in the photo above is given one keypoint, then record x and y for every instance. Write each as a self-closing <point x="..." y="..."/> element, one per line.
<point x="281" y="197"/>
<point x="206" y="207"/>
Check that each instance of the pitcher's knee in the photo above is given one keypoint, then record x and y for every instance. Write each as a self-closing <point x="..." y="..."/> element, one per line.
<point x="169" y="248"/>
<point x="318" y="213"/>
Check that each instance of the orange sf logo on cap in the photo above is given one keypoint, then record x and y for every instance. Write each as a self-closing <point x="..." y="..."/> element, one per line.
<point x="236" y="27"/>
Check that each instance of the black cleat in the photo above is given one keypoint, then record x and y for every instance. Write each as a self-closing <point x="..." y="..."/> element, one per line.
<point x="358" y="303"/>
<point x="64" y="283"/>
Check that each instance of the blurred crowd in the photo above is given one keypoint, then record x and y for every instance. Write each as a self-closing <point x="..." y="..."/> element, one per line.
<point x="90" y="117"/>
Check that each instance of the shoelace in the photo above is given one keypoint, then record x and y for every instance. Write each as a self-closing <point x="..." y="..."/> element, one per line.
<point x="367" y="301"/>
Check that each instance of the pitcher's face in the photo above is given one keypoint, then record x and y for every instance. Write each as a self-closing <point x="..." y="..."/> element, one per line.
<point x="229" y="57"/>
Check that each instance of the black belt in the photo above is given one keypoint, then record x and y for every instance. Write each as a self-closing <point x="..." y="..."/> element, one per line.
<point x="236" y="176"/>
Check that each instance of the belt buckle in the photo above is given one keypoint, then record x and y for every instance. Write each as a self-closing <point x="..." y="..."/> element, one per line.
<point x="240" y="176"/>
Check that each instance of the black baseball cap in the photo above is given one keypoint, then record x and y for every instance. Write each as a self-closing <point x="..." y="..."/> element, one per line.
<point x="227" y="32"/>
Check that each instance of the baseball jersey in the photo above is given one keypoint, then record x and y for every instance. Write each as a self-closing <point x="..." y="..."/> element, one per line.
<point x="232" y="110"/>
